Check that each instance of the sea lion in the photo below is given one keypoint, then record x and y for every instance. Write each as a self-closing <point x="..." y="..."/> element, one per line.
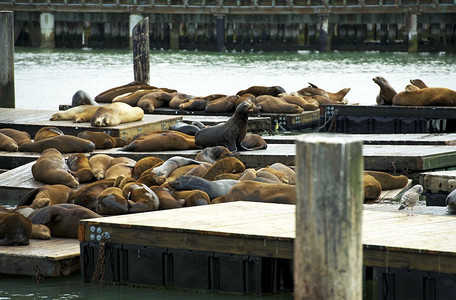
<point x="162" y="140"/>
<point x="40" y="232"/>
<point x="167" y="200"/>
<point x="20" y="137"/>
<point x="87" y="195"/>
<point x="264" y="176"/>
<point x="80" y="167"/>
<point x="250" y="190"/>
<point x="15" y="229"/>
<point x="144" y="164"/>
<point x="78" y="114"/>
<point x="291" y="174"/>
<point x="258" y="90"/>
<point x="229" y="134"/>
<point x="451" y="202"/>
<point x="140" y="197"/>
<point x="62" y="219"/>
<point x="212" y="154"/>
<point x="418" y="83"/>
<point x="63" y="143"/>
<point x="99" y="163"/>
<point x="82" y="98"/>
<point x="102" y="140"/>
<point x="183" y="127"/>
<point x="200" y="169"/>
<point x="222" y="105"/>
<point x="131" y="98"/>
<point x="108" y="95"/>
<point x="178" y="99"/>
<point x="387" y="92"/>
<point x="281" y="176"/>
<point x="119" y="169"/>
<point x="171" y="164"/>
<point x="388" y="181"/>
<point x="234" y="176"/>
<point x="248" y="174"/>
<point x="305" y="102"/>
<point x="224" y="165"/>
<point x="213" y="188"/>
<point x="180" y="171"/>
<point x="7" y="143"/>
<point x="47" y="132"/>
<point x="153" y="100"/>
<point x="193" y="197"/>
<point x="111" y="201"/>
<point x="431" y="96"/>
<point x="115" y="114"/>
<point x="46" y="195"/>
<point x="51" y="168"/>
<point x="372" y="188"/>
<point x="254" y="142"/>
<point x="272" y="104"/>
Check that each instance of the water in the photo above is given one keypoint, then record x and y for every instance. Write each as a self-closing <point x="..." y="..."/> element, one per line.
<point x="44" y="79"/>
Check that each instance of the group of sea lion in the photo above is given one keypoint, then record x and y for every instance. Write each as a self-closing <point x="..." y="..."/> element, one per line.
<point x="417" y="93"/>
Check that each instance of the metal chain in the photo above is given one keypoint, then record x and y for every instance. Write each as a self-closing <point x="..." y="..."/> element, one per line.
<point x="100" y="268"/>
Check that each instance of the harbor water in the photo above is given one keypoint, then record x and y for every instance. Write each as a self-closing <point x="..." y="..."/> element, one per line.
<point x="45" y="79"/>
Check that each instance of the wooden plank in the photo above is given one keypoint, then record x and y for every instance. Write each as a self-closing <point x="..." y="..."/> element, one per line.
<point x="32" y="120"/>
<point x="51" y="258"/>
<point x="14" y="184"/>
<point x="438" y="181"/>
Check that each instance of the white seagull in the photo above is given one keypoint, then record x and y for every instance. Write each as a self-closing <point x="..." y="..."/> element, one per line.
<point x="411" y="197"/>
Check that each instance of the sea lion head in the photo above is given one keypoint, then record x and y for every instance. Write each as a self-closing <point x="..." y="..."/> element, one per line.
<point x="101" y="121"/>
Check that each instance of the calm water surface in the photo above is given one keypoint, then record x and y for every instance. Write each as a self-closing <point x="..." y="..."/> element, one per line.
<point x="44" y="79"/>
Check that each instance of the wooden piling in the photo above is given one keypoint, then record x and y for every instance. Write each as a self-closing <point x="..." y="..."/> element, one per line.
<point x="141" y="50"/>
<point x="220" y="27"/>
<point x="328" y="249"/>
<point x="7" y="59"/>
<point x="412" y="33"/>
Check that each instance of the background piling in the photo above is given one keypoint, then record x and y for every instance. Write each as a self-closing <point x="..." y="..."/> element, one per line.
<point x="141" y="51"/>
<point x="7" y="59"/>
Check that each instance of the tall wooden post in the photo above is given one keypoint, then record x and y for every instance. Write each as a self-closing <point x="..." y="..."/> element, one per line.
<point x="7" y="59"/>
<point x="141" y="51"/>
<point x="220" y="28"/>
<point x="323" y="34"/>
<point x="412" y="33"/>
<point x="329" y="189"/>
<point x="47" y="25"/>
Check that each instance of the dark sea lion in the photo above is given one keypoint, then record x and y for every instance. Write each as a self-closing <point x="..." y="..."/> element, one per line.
<point x="250" y="190"/>
<point x="272" y="104"/>
<point x="82" y="98"/>
<point x="108" y="95"/>
<point x="51" y="168"/>
<point x="222" y="105"/>
<point x="162" y="140"/>
<point x="7" y="143"/>
<point x="451" y="202"/>
<point x="78" y="114"/>
<point x="224" y="165"/>
<point x="99" y="163"/>
<point x="229" y="134"/>
<point x="254" y="142"/>
<point x="47" y="132"/>
<point x="46" y="195"/>
<point x="62" y="219"/>
<point x="144" y="164"/>
<point x="15" y="229"/>
<point x="183" y="127"/>
<point x="111" y="201"/>
<point x="213" y="188"/>
<point x="80" y="167"/>
<point x="116" y="113"/>
<point x="102" y="140"/>
<point x="388" y="181"/>
<point x="167" y="200"/>
<point x="431" y="96"/>
<point x="258" y="90"/>
<point x="372" y="188"/>
<point x="87" y="195"/>
<point x="63" y="143"/>
<point x="385" y="97"/>
<point x="20" y="137"/>
<point x="212" y="154"/>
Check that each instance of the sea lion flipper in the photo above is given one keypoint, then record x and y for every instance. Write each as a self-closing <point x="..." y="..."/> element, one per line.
<point x="28" y="198"/>
<point x="42" y="216"/>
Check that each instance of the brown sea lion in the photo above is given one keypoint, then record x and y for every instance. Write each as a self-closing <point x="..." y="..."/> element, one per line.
<point x="87" y="195"/>
<point x="224" y="165"/>
<point x="372" y="188"/>
<point x="15" y="229"/>
<point x="213" y="188"/>
<point x="254" y="142"/>
<point x="194" y="104"/>
<point x="80" y="167"/>
<point x="250" y="190"/>
<point x="20" y="137"/>
<point x="268" y="177"/>
<point x="102" y="140"/>
<point x="62" y="219"/>
<point x="272" y="104"/>
<point x="229" y="134"/>
<point x="119" y="169"/>
<point x="131" y="98"/>
<point x="305" y="102"/>
<point x="47" y="132"/>
<point x="144" y="164"/>
<point x="51" y="168"/>
<point x="258" y="90"/>
<point x="193" y="197"/>
<point x="281" y="176"/>
<point x="151" y="179"/>
<point x="222" y="105"/>
<point x="431" y="96"/>
<point x="418" y="83"/>
<point x="245" y="97"/>
<point x="387" y="92"/>
<point x="82" y="98"/>
<point x="140" y="197"/>
<point x="248" y="174"/>
<point x="180" y="171"/>
<point x="99" y="163"/>
<point x="171" y="164"/>
<point x="388" y="181"/>
<point x="63" y="143"/>
<point x="111" y="201"/>
<point x="200" y="169"/>
<point x="108" y="95"/>
<point x="233" y="176"/>
<point x="162" y="140"/>
<point x="291" y="174"/>
<point x="7" y="143"/>
<point x="212" y="154"/>
<point x="178" y="99"/>
<point x="78" y="114"/>
<point x="40" y="232"/>
<point x="115" y="114"/>
<point x="167" y="201"/>
<point x="153" y="100"/>
<point x="46" y="195"/>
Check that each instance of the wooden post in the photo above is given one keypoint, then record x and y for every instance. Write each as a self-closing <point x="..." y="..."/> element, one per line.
<point x="141" y="50"/>
<point x="220" y="28"/>
<point x="328" y="248"/>
<point x="7" y="59"/>
<point x="323" y="44"/>
<point x="412" y="33"/>
<point x="47" y="25"/>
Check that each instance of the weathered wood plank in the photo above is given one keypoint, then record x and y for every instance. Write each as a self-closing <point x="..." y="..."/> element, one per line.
<point x="438" y="181"/>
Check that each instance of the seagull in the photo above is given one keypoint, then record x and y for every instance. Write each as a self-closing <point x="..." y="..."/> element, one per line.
<point x="411" y="197"/>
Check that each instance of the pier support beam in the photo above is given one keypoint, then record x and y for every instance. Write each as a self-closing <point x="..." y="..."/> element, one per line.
<point x="220" y="27"/>
<point x="323" y="40"/>
<point x="329" y="197"/>
<point x="412" y="33"/>
<point x="7" y="59"/>
<point x="174" y="36"/>
<point x="47" y="25"/>
<point x="141" y="51"/>
<point x="134" y="19"/>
